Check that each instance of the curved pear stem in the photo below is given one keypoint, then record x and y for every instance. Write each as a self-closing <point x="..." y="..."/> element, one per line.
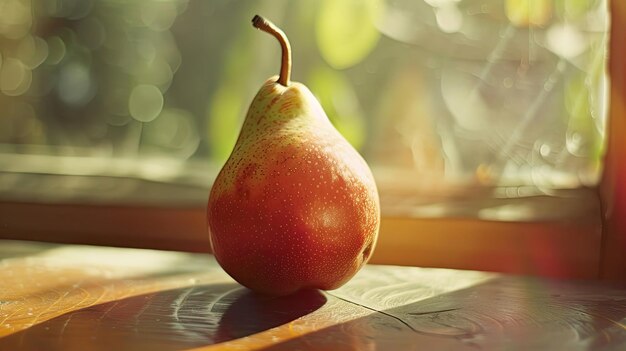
<point x="269" y="27"/>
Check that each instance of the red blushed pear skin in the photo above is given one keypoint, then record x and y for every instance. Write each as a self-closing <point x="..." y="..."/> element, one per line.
<point x="295" y="206"/>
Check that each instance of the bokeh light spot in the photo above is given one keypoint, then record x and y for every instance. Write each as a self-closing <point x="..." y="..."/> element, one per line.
<point x="159" y="16"/>
<point x="75" y="85"/>
<point x="565" y="40"/>
<point x="145" y="102"/>
<point x="15" y="18"/>
<point x="32" y="51"/>
<point x="449" y="18"/>
<point x="56" y="50"/>
<point x="15" y="77"/>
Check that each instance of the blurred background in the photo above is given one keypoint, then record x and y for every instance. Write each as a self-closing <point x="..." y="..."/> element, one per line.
<point x="110" y="100"/>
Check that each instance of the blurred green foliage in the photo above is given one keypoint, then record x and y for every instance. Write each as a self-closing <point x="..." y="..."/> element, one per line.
<point x="345" y="30"/>
<point x="473" y="84"/>
<point x="227" y="107"/>
<point x="340" y="102"/>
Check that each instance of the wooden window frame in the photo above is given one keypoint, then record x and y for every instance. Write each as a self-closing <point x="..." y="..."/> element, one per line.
<point x="613" y="186"/>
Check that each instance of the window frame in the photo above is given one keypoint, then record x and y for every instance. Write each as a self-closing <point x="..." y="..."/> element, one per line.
<point x="612" y="188"/>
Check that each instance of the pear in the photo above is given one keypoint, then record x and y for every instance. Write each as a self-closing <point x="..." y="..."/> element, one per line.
<point x="295" y="206"/>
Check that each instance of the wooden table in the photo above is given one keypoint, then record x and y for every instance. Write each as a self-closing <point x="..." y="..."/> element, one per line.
<point x="59" y="297"/>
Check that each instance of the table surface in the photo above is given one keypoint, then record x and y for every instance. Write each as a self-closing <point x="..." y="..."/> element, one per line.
<point x="62" y="297"/>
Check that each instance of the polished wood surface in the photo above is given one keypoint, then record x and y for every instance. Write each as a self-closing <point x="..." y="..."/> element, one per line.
<point x="55" y="297"/>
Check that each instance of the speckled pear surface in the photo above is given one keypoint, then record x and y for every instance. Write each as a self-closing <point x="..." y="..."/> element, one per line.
<point x="295" y="206"/>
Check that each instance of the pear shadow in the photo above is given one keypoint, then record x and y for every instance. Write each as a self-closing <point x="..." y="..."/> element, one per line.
<point x="253" y="313"/>
<point x="175" y="319"/>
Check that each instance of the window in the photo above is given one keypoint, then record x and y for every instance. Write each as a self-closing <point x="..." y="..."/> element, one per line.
<point x="484" y="112"/>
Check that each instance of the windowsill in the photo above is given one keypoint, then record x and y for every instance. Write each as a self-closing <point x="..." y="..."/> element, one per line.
<point x="556" y="233"/>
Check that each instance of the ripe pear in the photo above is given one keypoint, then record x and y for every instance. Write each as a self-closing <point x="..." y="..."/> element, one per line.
<point x="295" y="206"/>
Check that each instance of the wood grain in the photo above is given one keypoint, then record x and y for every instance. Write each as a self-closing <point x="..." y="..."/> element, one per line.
<point x="80" y="297"/>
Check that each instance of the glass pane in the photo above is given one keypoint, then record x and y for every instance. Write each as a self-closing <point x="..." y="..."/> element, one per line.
<point x="437" y="94"/>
